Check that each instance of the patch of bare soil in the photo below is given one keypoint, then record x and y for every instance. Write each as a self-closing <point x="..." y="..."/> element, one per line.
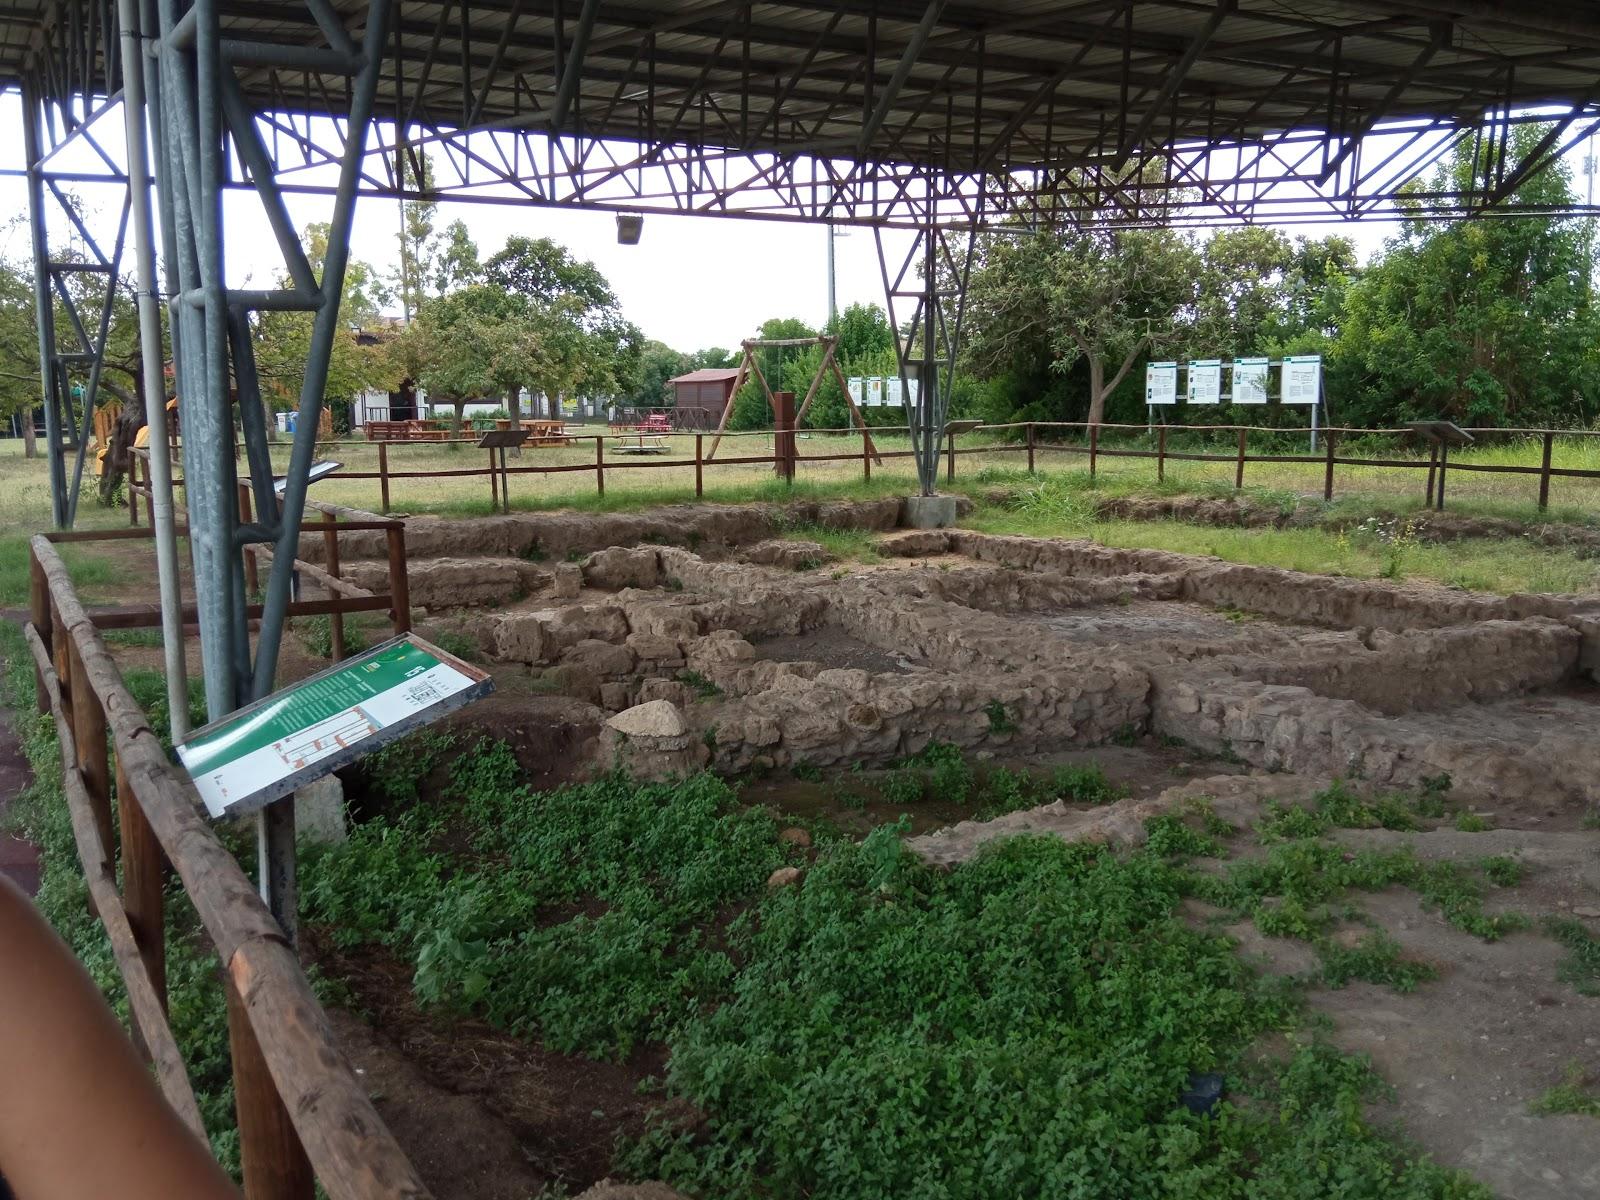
<point x="485" y="1116"/>
<point x="1469" y="1052"/>
<point x="832" y="648"/>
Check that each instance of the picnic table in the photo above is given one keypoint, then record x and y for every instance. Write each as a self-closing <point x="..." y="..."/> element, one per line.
<point x="639" y="441"/>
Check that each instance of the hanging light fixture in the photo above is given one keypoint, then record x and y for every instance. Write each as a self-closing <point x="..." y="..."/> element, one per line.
<point x="629" y="226"/>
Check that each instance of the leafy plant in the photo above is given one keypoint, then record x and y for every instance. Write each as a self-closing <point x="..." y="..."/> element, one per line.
<point x="702" y="687"/>
<point x="1581" y="967"/>
<point x="1000" y="719"/>
<point x="1572" y="1095"/>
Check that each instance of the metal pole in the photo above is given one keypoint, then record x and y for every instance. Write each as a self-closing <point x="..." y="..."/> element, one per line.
<point x="325" y="325"/>
<point x="44" y="302"/>
<point x="833" y="298"/>
<point x="150" y="354"/>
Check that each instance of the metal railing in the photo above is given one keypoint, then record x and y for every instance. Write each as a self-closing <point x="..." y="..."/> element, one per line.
<point x="303" y="1116"/>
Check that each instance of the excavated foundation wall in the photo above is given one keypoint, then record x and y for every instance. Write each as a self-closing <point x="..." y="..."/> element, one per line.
<point x="746" y="655"/>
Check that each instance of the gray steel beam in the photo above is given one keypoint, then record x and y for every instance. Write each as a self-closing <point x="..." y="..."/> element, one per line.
<point x="44" y="305"/>
<point x="135" y="65"/>
<point x="572" y="65"/>
<point x="902" y="72"/>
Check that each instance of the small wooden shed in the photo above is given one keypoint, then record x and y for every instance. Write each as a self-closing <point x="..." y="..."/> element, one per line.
<point x="700" y="396"/>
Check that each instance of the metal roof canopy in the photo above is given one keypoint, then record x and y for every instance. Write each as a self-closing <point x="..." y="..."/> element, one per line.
<point x="900" y="111"/>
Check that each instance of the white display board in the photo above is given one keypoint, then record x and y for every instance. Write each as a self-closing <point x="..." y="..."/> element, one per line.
<point x="857" y="384"/>
<point x="1205" y="381"/>
<point x="874" y="393"/>
<point x="1250" y="380"/>
<point x="1302" y="379"/>
<point x="891" y="391"/>
<point x="1161" y="383"/>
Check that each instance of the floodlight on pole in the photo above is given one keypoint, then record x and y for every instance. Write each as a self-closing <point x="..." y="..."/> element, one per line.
<point x="629" y="227"/>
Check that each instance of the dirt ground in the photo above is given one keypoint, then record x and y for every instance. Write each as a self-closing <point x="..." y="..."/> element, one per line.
<point x="1466" y="1054"/>
<point x="1160" y="669"/>
<point x="484" y="1116"/>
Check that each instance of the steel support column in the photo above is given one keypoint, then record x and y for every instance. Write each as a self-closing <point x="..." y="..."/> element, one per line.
<point x="930" y="284"/>
<point x="44" y="305"/>
<point x="199" y="106"/>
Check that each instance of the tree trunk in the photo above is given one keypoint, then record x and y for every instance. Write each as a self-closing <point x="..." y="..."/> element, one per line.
<point x="514" y="411"/>
<point x="30" y="443"/>
<point x="553" y="404"/>
<point x="458" y="412"/>
<point x="119" y="455"/>
<point x="1097" y="389"/>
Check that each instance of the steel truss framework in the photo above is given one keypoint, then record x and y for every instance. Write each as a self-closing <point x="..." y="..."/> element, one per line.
<point x="934" y="116"/>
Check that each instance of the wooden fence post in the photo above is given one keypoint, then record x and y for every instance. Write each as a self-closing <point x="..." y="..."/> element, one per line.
<point x="1030" y="447"/>
<point x="383" y="474"/>
<point x="1433" y="470"/>
<point x="494" y="484"/>
<point x="273" y="1161"/>
<point x="950" y="456"/>
<point x="143" y="865"/>
<point x="1094" y="448"/>
<point x="1238" y="470"/>
<point x="1544" y="470"/>
<point x="252" y="578"/>
<point x="866" y="455"/>
<point x="133" y="488"/>
<point x="39" y="614"/>
<point x="330" y="548"/>
<point x="1444" y="461"/>
<point x="699" y="465"/>
<point x="399" y="581"/>
<point x="89" y="732"/>
<point x="1161" y="455"/>
<point x="60" y="641"/>
<point x="1327" y="472"/>
<point x="599" y="465"/>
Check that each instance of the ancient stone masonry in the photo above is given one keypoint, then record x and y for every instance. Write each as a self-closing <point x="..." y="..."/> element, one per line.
<point x="1010" y="645"/>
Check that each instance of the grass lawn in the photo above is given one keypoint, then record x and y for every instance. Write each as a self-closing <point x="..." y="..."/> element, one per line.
<point x="1058" y="502"/>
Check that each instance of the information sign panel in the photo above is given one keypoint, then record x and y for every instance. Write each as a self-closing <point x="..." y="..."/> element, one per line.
<point x="1161" y="383"/>
<point x="875" y="393"/>
<point x="856" y="387"/>
<point x="309" y="729"/>
<point x="1250" y="380"/>
<point x="1302" y="379"/>
<point x="1205" y="381"/>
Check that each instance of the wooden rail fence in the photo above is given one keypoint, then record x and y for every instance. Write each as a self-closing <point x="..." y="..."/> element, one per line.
<point x="303" y="1116"/>
<point x="1035" y="439"/>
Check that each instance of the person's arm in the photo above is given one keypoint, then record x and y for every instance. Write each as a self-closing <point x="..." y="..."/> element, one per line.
<point x="80" y="1116"/>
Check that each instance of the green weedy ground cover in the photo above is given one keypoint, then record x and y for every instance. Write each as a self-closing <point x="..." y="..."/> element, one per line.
<point x="1021" y="1026"/>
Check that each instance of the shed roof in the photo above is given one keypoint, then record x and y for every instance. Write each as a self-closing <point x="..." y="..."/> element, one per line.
<point x="707" y="375"/>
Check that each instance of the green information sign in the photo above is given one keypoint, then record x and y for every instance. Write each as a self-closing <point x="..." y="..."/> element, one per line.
<point x="265" y="751"/>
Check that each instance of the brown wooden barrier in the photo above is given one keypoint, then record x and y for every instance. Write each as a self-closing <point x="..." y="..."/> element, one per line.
<point x="1036" y="438"/>
<point x="303" y="1116"/>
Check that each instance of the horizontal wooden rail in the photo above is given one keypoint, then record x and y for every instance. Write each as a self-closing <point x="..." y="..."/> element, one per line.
<point x="1106" y="440"/>
<point x="276" y="1012"/>
<point x="144" y="1001"/>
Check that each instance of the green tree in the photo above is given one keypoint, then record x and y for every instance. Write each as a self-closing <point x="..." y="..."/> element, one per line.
<point x="1041" y="303"/>
<point x="417" y="264"/>
<point x="658" y="362"/>
<point x="1484" y="322"/>
<point x="585" y="346"/>
<point x="283" y="339"/>
<point x="20" y="387"/>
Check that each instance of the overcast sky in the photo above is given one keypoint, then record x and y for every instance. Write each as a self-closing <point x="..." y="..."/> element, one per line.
<point x="691" y="282"/>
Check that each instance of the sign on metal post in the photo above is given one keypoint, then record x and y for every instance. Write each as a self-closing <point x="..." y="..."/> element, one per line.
<point x="269" y="749"/>
<point x="1205" y="381"/>
<point x="1250" y="380"/>
<point x="1302" y="379"/>
<point x="1161" y="383"/>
